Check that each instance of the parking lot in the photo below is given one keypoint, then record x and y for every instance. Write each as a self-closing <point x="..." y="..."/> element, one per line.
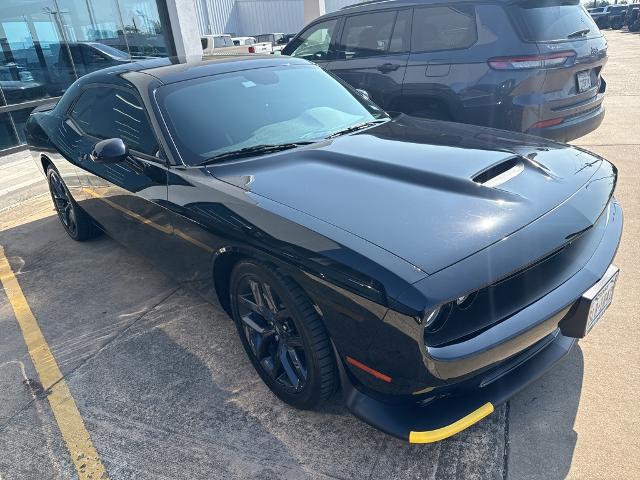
<point x="164" y="389"/>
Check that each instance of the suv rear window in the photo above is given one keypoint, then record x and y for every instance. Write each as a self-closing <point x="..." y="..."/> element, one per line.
<point x="547" y="21"/>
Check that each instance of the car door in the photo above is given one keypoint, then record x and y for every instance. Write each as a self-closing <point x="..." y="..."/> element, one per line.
<point x="316" y="43"/>
<point x="125" y="198"/>
<point x="372" y="53"/>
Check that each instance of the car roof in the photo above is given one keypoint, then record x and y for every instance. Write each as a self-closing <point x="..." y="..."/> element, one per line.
<point x="384" y="4"/>
<point x="175" y="69"/>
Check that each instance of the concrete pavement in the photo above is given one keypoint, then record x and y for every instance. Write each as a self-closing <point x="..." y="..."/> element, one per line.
<point x="582" y="419"/>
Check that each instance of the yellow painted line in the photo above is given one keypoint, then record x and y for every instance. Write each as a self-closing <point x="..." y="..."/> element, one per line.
<point x="148" y="221"/>
<point x="457" y="426"/>
<point x="75" y="435"/>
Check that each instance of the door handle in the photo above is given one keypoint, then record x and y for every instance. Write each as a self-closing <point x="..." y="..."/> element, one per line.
<point x="388" y="67"/>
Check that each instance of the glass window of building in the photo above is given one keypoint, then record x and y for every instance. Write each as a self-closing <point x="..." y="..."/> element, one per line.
<point x="45" y="45"/>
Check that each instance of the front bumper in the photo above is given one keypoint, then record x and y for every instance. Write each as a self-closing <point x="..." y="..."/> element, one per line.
<point x="572" y="128"/>
<point x="486" y="370"/>
<point x="448" y="415"/>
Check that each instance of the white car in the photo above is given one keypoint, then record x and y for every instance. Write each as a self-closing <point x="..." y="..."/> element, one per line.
<point x="223" y="44"/>
<point x="237" y="41"/>
<point x="273" y="39"/>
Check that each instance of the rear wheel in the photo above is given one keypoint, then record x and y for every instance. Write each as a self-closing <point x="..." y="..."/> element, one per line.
<point x="283" y="335"/>
<point x="74" y="220"/>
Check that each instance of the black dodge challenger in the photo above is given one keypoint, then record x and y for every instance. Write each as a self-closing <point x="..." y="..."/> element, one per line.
<point x="429" y="269"/>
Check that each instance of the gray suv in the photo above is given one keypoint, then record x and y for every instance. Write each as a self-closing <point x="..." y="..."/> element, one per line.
<point x="525" y="65"/>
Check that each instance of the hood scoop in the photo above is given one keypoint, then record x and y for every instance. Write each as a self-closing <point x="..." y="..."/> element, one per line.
<point x="500" y="173"/>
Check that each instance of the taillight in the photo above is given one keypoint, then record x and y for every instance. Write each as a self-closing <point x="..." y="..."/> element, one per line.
<point x="532" y="61"/>
<point x="252" y="49"/>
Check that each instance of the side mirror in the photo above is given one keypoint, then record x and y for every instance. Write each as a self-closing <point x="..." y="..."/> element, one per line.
<point x="363" y="93"/>
<point x="112" y="150"/>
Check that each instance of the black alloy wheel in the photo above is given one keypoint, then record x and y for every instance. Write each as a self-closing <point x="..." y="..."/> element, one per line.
<point x="75" y="221"/>
<point x="283" y="335"/>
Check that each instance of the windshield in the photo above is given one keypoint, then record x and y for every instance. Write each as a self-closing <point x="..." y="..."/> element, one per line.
<point x="547" y="21"/>
<point x="267" y="106"/>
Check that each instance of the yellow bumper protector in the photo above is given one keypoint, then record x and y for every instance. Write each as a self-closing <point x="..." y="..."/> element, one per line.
<point x="457" y="426"/>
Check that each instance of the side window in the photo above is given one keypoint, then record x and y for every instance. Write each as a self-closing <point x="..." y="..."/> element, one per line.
<point x="113" y="113"/>
<point x="367" y="35"/>
<point x="401" y="32"/>
<point x="315" y="42"/>
<point x="443" y="28"/>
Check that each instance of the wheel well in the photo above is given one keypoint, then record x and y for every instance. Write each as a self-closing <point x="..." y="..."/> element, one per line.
<point x="222" y="267"/>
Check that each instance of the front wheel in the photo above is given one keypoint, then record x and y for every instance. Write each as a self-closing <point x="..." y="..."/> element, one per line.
<point x="75" y="221"/>
<point x="283" y="335"/>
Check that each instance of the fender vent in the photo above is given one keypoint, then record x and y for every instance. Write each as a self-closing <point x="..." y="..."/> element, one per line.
<point x="500" y="173"/>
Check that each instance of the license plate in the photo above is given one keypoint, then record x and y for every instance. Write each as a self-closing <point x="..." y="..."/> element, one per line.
<point x="601" y="302"/>
<point x="584" y="81"/>
<point x="591" y="306"/>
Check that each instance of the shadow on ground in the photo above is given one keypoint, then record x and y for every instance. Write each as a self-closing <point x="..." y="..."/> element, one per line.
<point x="541" y="423"/>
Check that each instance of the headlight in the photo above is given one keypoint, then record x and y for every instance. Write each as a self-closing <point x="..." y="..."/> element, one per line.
<point x="431" y="315"/>
<point x="465" y="301"/>
<point x="436" y="317"/>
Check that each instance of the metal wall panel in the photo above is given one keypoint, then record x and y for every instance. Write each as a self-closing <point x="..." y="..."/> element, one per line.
<point x="251" y="17"/>
<point x="333" y="5"/>
<point x="265" y="16"/>
<point x="216" y="16"/>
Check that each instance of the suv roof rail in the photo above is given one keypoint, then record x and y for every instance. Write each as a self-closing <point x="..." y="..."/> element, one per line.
<point x="369" y="2"/>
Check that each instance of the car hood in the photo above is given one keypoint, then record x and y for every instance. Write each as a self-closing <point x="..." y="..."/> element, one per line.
<point x="429" y="192"/>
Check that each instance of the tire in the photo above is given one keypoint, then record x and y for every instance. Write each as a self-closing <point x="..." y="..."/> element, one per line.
<point x="616" y="24"/>
<point x="74" y="220"/>
<point x="283" y="335"/>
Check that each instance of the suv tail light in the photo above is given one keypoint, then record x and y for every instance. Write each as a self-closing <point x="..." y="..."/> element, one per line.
<point x="252" y="49"/>
<point x="531" y="61"/>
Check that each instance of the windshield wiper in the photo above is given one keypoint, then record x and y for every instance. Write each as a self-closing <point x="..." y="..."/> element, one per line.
<point x="579" y="33"/>
<point x="357" y="127"/>
<point x="253" y="150"/>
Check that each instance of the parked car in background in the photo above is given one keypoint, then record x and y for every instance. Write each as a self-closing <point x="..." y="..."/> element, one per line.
<point x="531" y="66"/>
<point x="87" y="57"/>
<point x="632" y="18"/>
<point x="18" y="85"/>
<point x="275" y="39"/>
<point x="222" y="44"/>
<point x="610" y="16"/>
<point x="237" y="41"/>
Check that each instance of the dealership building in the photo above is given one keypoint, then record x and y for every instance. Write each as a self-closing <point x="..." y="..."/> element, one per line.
<point x="47" y="44"/>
